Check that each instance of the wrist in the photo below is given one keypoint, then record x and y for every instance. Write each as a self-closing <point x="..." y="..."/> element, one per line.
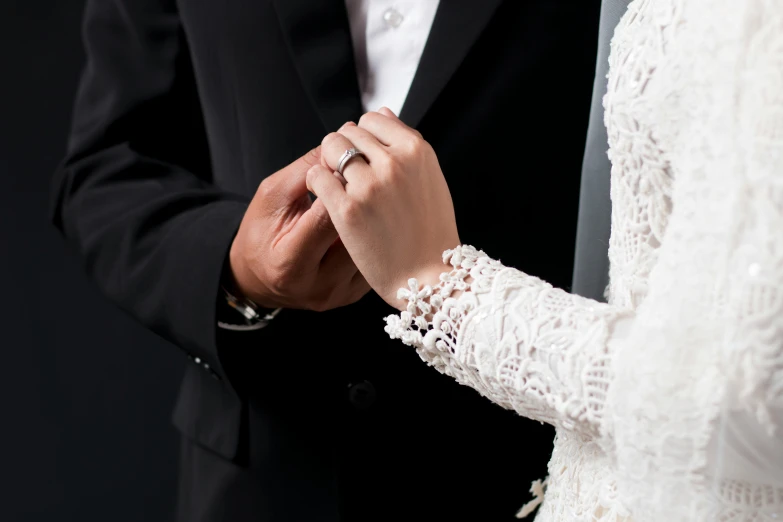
<point x="426" y="276"/>
<point x="240" y="280"/>
<point x="430" y="274"/>
<point x="237" y="310"/>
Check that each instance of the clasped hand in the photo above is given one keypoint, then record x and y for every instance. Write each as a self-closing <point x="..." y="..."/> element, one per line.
<point x="390" y="222"/>
<point x="394" y="214"/>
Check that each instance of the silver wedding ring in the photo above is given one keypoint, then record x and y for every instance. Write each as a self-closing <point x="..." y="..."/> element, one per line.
<point x="347" y="156"/>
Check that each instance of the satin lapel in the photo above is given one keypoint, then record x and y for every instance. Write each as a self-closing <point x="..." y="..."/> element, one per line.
<point x="457" y="25"/>
<point x="319" y="37"/>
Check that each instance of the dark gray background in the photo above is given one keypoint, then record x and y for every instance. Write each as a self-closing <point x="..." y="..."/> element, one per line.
<point x="85" y="394"/>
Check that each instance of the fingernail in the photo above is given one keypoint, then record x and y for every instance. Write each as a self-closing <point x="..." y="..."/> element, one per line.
<point x="348" y="124"/>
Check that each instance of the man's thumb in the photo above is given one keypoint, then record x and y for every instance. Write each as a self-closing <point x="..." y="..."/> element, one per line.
<point x="317" y="218"/>
<point x="313" y="233"/>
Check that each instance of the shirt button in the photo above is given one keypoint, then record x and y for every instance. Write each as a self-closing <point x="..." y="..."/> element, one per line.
<point x="393" y="17"/>
<point x="362" y="395"/>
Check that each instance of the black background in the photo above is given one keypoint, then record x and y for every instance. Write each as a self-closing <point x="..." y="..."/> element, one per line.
<point x="85" y="394"/>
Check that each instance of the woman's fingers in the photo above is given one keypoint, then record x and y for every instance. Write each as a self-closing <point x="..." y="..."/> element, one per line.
<point x="389" y="130"/>
<point x="333" y="147"/>
<point x="364" y="141"/>
<point x="388" y="112"/>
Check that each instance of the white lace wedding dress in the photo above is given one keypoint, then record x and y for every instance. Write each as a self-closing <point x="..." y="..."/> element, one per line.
<point x="668" y="401"/>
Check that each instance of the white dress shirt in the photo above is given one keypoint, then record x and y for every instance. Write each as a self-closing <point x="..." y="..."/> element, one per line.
<point x="388" y="40"/>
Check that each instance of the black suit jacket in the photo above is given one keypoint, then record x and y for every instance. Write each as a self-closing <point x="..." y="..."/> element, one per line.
<point x="185" y="106"/>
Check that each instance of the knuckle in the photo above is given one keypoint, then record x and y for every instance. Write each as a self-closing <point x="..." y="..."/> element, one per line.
<point x="266" y="188"/>
<point x="365" y="119"/>
<point x="329" y="138"/>
<point x="414" y="145"/>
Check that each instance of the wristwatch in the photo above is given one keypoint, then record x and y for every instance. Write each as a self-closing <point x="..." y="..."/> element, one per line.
<point x="242" y="314"/>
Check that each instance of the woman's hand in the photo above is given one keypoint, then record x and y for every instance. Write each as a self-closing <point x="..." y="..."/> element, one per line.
<point x="394" y="215"/>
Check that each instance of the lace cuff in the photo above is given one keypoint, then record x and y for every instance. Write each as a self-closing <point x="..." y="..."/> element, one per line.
<point x="434" y="316"/>
<point x="514" y="338"/>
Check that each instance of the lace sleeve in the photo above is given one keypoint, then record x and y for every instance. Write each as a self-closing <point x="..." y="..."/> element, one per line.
<point x="696" y="410"/>
<point x="514" y="338"/>
<point x="703" y="354"/>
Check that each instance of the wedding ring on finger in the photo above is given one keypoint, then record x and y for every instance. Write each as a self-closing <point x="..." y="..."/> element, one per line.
<point x="347" y="156"/>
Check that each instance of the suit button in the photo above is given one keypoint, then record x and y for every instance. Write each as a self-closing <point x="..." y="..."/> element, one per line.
<point x="362" y="395"/>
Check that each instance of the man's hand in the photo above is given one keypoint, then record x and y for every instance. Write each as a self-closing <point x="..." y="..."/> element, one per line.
<point x="287" y="252"/>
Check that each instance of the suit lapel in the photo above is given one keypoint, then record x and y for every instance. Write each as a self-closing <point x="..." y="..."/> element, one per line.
<point x="457" y="25"/>
<point x="319" y="38"/>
